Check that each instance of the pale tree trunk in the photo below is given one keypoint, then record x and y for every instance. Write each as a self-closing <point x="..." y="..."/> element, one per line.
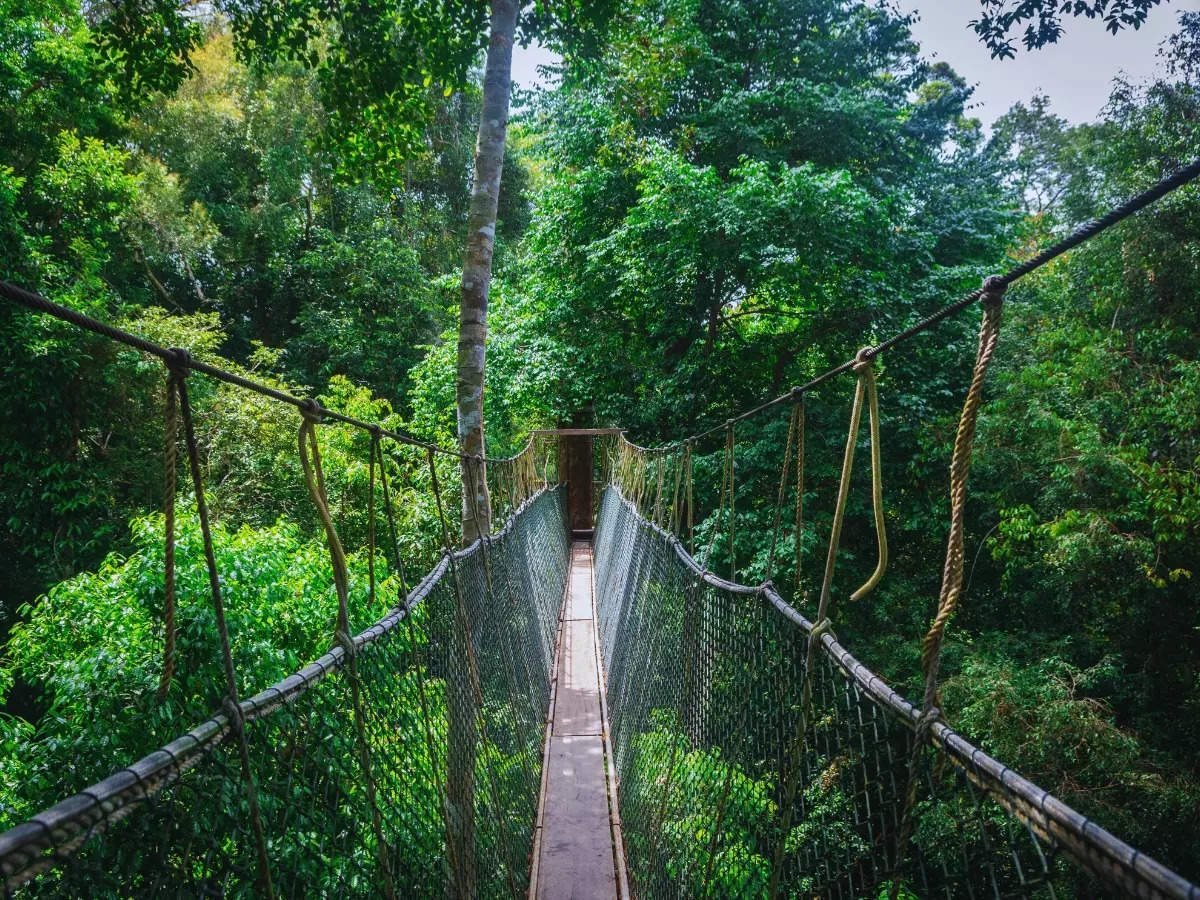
<point x="463" y="711"/>
<point x="477" y="265"/>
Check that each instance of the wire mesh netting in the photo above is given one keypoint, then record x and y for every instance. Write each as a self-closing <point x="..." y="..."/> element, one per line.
<point x="727" y="789"/>
<point x="448" y="777"/>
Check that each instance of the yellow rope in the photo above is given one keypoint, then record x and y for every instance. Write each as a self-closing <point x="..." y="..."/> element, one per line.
<point x="952" y="571"/>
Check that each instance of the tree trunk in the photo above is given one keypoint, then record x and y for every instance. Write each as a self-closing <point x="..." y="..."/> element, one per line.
<point x="477" y="265"/>
<point x="462" y="716"/>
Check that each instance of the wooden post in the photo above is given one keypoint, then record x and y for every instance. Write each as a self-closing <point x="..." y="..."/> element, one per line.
<point x="576" y="463"/>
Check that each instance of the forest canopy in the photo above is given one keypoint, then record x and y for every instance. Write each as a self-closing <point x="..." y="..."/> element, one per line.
<point x="710" y="204"/>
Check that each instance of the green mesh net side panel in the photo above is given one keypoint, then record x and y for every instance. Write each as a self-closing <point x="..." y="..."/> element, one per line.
<point x="723" y="793"/>
<point x="177" y="824"/>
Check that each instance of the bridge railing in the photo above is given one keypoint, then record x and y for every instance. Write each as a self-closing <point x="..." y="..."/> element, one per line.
<point x="177" y="821"/>
<point x="728" y="787"/>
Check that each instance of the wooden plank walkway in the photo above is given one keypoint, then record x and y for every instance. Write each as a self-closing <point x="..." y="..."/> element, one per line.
<point x="574" y="855"/>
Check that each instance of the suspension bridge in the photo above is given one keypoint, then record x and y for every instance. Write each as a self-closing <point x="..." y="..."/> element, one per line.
<point x="575" y="705"/>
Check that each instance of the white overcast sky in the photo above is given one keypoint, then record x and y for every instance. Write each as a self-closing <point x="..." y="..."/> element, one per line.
<point x="1076" y="73"/>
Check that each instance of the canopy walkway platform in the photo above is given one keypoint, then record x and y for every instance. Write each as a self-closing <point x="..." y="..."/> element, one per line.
<point x="577" y="846"/>
<point x="546" y="717"/>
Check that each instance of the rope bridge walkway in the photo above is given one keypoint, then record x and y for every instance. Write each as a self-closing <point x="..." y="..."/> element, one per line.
<point x="705" y="739"/>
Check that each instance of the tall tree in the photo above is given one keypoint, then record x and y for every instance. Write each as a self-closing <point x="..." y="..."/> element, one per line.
<point x="575" y="29"/>
<point x="477" y="264"/>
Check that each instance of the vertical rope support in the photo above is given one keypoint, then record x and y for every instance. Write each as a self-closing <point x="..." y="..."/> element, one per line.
<point x="729" y="451"/>
<point x="800" y="441"/>
<point x="314" y="478"/>
<point x="237" y="719"/>
<point x="952" y="571"/>
<point x="375" y="450"/>
<point x="659" y="466"/>
<point x="689" y="501"/>
<point x="839" y="512"/>
<point x="783" y="480"/>
<point x="865" y="391"/>
<point x="175" y="375"/>
<point x="674" y="529"/>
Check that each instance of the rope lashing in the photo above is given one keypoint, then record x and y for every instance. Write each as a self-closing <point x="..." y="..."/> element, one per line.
<point x="237" y="720"/>
<point x="314" y="478"/>
<point x="176" y="373"/>
<point x="952" y="571"/>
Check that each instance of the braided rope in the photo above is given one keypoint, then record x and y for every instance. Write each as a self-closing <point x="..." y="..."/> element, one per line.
<point x="800" y="443"/>
<point x="175" y="375"/>
<point x="233" y="709"/>
<point x="314" y="478"/>
<point x="952" y="572"/>
<point x="783" y="481"/>
<point x="864" y="391"/>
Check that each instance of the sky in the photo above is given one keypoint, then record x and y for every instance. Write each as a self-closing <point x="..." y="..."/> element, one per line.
<point x="1076" y="73"/>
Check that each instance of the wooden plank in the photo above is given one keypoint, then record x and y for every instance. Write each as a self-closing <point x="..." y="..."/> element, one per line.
<point x="577" y="853"/>
<point x="577" y="700"/>
<point x="574" y="838"/>
<point x="579" y="599"/>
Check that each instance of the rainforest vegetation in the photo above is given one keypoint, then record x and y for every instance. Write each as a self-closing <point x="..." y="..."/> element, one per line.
<point x="711" y="202"/>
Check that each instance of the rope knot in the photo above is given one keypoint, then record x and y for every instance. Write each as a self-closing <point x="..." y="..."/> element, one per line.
<point x="928" y="718"/>
<point x="825" y="626"/>
<point x="312" y="411"/>
<point x="346" y="642"/>
<point x="862" y="361"/>
<point x="797" y="394"/>
<point x="993" y="289"/>
<point x="179" y="363"/>
<point x="376" y="430"/>
<point x="235" y="713"/>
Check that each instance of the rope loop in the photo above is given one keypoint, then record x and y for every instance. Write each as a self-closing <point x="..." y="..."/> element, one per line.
<point x="343" y="640"/>
<point x="178" y="363"/>
<point x="994" y="287"/>
<point x="236" y="715"/>
<point x="312" y="411"/>
<point x="862" y="361"/>
<point x="925" y="722"/>
<point x="822" y="628"/>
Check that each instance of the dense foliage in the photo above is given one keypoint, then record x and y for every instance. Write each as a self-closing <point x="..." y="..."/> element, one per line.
<point x="714" y="203"/>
